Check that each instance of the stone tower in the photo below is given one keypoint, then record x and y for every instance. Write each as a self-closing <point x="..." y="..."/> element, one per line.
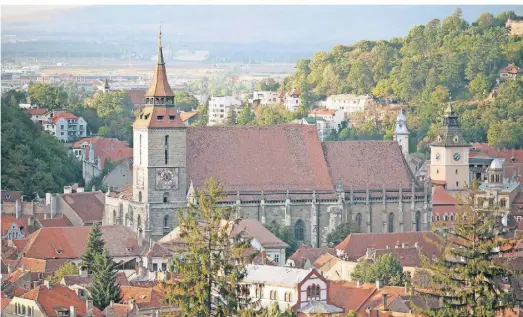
<point x="159" y="157"/>
<point x="401" y="133"/>
<point x="449" y="154"/>
<point x="106" y="86"/>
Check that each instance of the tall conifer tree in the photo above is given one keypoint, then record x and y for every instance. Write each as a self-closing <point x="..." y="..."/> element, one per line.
<point x="466" y="279"/>
<point x="105" y="287"/>
<point x="95" y="245"/>
<point x="209" y="273"/>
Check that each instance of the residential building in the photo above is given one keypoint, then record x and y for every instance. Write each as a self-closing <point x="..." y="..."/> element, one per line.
<point x="334" y="268"/>
<point x="445" y="207"/>
<point x="285" y="286"/>
<point x="323" y="127"/>
<point x="334" y="117"/>
<point x="292" y="100"/>
<point x="304" y="257"/>
<point x="510" y="71"/>
<point x="189" y="117"/>
<point x="38" y="115"/>
<point x="312" y="186"/>
<point x="265" y="98"/>
<point x="219" y="108"/>
<point x="80" y="208"/>
<point x="65" y="126"/>
<point x="80" y="284"/>
<point x="13" y="228"/>
<point x="348" y="103"/>
<point x="146" y="301"/>
<point x="449" y="155"/>
<point x="50" y="301"/>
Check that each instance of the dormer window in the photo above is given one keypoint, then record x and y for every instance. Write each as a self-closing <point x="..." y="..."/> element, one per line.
<point x="171" y="117"/>
<point x="146" y="116"/>
<point x="59" y="251"/>
<point x="159" y="118"/>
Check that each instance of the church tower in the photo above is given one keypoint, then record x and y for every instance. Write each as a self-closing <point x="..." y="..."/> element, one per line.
<point x="106" y="86"/>
<point x="401" y="133"/>
<point x="159" y="161"/>
<point x="449" y="155"/>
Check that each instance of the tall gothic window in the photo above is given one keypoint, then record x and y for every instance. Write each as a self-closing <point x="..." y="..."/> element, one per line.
<point x="391" y="222"/>
<point x="139" y="223"/>
<point x="299" y="230"/>
<point x="120" y="214"/>
<point x="140" y="196"/>
<point x="114" y="217"/>
<point x="166" y="149"/>
<point x="418" y="221"/>
<point x="358" y="221"/>
<point x="166" y="221"/>
<point x="140" y="149"/>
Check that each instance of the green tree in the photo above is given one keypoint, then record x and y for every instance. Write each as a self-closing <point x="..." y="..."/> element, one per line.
<point x="274" y="114"/>
<point x="203" y="111"/>
<point x="339" y="233"/>
<point x="385" y="269"/>
<point x="105" y="287"/>
<point x="479" y="87"/>
<point x="231" y="116"/>
<point x="207" y="267"/>
<point x="185" y="101"/>
<point x="246" y="116"/>
<point x="68" y="268"/>
<point x="267" y="85"/>
<point x="112" y="105"/>
<point x="95" y="245"/>
<point x="48" y="96"/>
<point x="284" y="233"/>
<point x="466" y="278"/>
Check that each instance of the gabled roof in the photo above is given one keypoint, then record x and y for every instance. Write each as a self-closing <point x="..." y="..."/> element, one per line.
<point x="405" y="256"/>
<point x="275" y="275"/>
<point x="511" y="68"/>
<point x="348" y="295"/>
<point x="70" y="280"/>
<point x="58" y="296"/>
<point x="186" y="115"/>
<point x="441" y="197"/>
<point x="61" y="221"/>
<point x="8" y="220"/>
<point x="10" y="196"/>
<point x="158" y="117"/>
<point x="326" y="262"/>
<point x="36" y="111"/>
<point x="315" y="307"/>
<point x="254" y="229"/>
<point x="303" y="254"/>
<point x="89" y="206"/>
<point x="356" y="244"/>
<point x="159" y="86"/>
<point x="144" y="297"/>
<point x="106" y="149"/>
<point x="64" y="115"/>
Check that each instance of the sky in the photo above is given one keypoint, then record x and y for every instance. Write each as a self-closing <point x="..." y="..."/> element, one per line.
<point x="332" y="24"/>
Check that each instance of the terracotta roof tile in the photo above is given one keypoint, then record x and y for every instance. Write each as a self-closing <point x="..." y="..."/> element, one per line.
<point x="158" y="117"/>
<point x="356" y="244"/>
<point x="348" y="295"/>
<point x="303" y="254"/>
<point x="321" y="112"/>
<point x="405" y="256"/>
<point x="36" y="111"/>
<point x="7" y="221"/>
<point x="441" y="197"/>
<point x="375" y="299"/>
<point x="326" y="262"/>
<point x="62" y="221"/>
<point x="64" y="115"/>
<point x="254" y="229"/>
<point x="105" y="149"/>
<point x="378" y="163"/>
<point x="187" y="115"/>
<point x="89" y="206"/>
<point x="136" y="95"/>
<point x="159" y="86"/>
<point x="242" y="159"/>
<point x="144" y="297"/>
<point x="10" y="196"/>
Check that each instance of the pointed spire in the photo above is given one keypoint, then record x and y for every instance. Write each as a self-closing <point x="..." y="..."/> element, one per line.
<point x="160" y="86"/>
<point x="160" y="48"/>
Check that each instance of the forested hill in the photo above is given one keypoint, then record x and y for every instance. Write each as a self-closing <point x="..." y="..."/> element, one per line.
<point x="433" y="62"/>
<point x="32" y="161"/>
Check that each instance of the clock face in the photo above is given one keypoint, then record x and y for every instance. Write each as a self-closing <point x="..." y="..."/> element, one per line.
<point x="166" y="178"/>
<point x="139" y="178"/>
<point x="456" y="156"/>
<point x="438" y="156"/>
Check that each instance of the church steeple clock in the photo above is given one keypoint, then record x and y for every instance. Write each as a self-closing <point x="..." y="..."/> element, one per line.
<point x="449" y="154"/>
<point x="159" y="163"/>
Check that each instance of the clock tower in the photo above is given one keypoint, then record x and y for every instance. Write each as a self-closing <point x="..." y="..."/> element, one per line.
<point x="159" y="158"/>
<point x="449" y="155"/>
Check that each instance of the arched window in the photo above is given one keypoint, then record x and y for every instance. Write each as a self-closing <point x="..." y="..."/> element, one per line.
<point x="391" y="223"/>
<point x="166" y="221"/>
<point x="445" y="217"/>
<point x="166" y="149"/>
<point x="318" y="292"/>
<point x="497" y="178"/>
<point x="309" y="292"/>
<point x="299" y="230"/>
<point x="437" y="217"/>
<point x="165" y="197"/>
<point x="114" y="217"/>
<point x="503" y="203"/>
<point x="456" y="172"/>
<point x="418" y="221"/>
<point x="259" y="291"/>
<point x="358" y="221"/>
<point x="126" y="219"/>
<point x="140" y="149"/>
<point x="140" y="196"/>
<point x="451" y="217"/>
<point x="131" y="216"/>
<point x="139" y="223"/>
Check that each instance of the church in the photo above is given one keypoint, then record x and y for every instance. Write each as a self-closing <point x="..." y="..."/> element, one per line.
<point x="281" y="173"/>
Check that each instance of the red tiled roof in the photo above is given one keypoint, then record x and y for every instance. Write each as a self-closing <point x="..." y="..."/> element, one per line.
<point x="7" y="221"/>
<point x="303" y="254"/>
<point x="321" y="112"/>
<point x="348" y="295"/>
<point x="406" y="257"/>
<point x="356" y="244"/>
<point x="144" y="297"/>
<point x="376" y="163"/>
<point x="62" y="221"/>
<point x="4" y="302"/>
<point x="58" y="296"/>
<point x="106" y="148"/>
<point x="89" y="206"/>
<point x="117" y="310"/>
<point x="254" y="229"/>
<point x="241" y="158"/>
<point x="158" y="117"/>
<point x="375" y="300"/>
<point x="10" y="196"/>
<point x="65" y="115"/>
<point x="136" y="95"/>
<point x="41" y="265"/>
<point x="513" y="157"/>
<point x="36" y="111"/>
<point x="441" y="197"/>
<point x="187" y="115"/>
<point x="511" y="68"/>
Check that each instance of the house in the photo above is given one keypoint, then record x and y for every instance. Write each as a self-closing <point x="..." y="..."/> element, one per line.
<point x="136" y="96"/>
<point x="78" y="283"/>
<point x="13" y="228"/>
<point x="356" y="245"/>
<point x="147" y="301"/>
<point x="262" y="239"/>
<point x="292" y="100"/>
<point x="219" y="109"/>
<point x="510" y="71"/>
<point x="285" y="286"/>
<point x="38" y="115"/>
<point x="334" y="268"/>
<point x="265" y="98"/>
<point x="81" y="208"/>
<point x="348" y="103"/>
<point x="96" y="151"/>
<point x="50" y="301"/>
<point x="304" y="257"/>
<point x="322" y="126"/>
<point x="334" y="118"/>
<point x="445" y="207"/>
<point x="65" y="126"/>
<point x="189" y="117"/>
<point x="120" y="310"/>
<point x="408" y="257"/>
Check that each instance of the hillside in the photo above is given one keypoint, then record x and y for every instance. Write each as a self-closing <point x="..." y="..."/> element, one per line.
<point x="32" y="161"/>
<point x="442" y="60"/>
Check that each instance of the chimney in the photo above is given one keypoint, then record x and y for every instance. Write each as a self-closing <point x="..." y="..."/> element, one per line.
<point x="46" y="283"/>
<point x="35" y="284"/>
<point x="79" y="189"/>
<point x="30" y="221"/>
<point x="68" y="189"/>
<point x="54" y="205"/>
<point x="18" y="206"/>
<point x="378" y="284"/>
<point x="82" y="271"/>
<point x="385" y="307"/>
<point x="72" y="311"/>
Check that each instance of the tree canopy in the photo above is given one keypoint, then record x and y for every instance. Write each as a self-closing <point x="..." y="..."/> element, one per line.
<point x="385" y="269"/>
<point x="341" y="232"/>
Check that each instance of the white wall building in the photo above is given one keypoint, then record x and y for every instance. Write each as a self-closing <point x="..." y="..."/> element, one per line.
<point x="348" y="103"/>
<point x="292" y="100"/>
<point x="65" y="126"/>
<point x="265" y="97"/>
<point x="219" y="109"/>
<point x="285" y="286"/>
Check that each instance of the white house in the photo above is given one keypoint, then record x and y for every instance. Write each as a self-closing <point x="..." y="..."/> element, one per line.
<point x="65" y="126"/>
<point x="219" y="109"/>
<point x="285" y="286"/>
<point x="292" y="100"/>
<point x="348" y="103"/>
<point x="38" y="115"/>
<point x="265" y="97"/>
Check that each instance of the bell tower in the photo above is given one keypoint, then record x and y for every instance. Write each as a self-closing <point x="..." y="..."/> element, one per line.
<point x="401" y="133"/>
<point x="159" y="156"/>
<point x="449" y="155"/>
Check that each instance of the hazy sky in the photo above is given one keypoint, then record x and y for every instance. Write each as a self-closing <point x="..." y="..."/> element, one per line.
<point x="280" y="24"/>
